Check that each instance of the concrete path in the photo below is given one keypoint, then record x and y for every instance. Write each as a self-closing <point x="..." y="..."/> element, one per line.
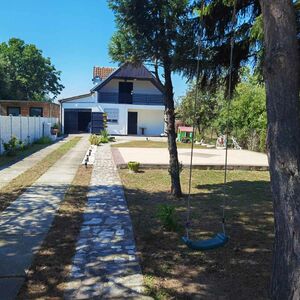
<point x="25" y="223"/>
<point x="105" y="265"/>
<point x="202" y="157"/>
<point x="8" y="173"/>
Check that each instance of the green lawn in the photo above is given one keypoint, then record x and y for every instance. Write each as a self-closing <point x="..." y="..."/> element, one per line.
<point x="152" y="144"/>
<point x="240" y="270"/>
<point x="4" y="160"/>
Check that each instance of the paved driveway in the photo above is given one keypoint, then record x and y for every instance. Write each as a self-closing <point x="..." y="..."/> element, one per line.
<point x="202" y="157"/>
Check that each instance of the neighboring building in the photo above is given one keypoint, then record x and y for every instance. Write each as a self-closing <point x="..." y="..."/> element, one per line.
<point x="131" y="97"/>
<point x="29" y="108"/>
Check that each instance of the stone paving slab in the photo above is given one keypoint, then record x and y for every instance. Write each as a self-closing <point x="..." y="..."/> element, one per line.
<point x="25" y="223"/>
<point x="105" y="265"/>
<point x="8" y="173"/>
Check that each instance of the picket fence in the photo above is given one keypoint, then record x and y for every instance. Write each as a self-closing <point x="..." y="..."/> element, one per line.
<point x="26" y="129"/>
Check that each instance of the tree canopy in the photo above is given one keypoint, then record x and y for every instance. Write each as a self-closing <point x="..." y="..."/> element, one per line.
<point x="25" y="74"/>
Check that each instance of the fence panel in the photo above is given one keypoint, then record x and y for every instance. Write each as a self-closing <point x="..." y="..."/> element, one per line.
<point x="26" y="129"/>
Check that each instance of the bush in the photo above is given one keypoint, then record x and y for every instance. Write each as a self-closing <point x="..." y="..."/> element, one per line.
<point x="94" y="139"/>
<point x="133" y="166"/>
<point x="44" y="140"/>
<point x="167" y="215"/>
<point x="12" y="146"/>
<point x="103" y="138"/>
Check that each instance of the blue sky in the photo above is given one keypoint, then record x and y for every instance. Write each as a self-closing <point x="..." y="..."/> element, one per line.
<point x="74" y="34"/>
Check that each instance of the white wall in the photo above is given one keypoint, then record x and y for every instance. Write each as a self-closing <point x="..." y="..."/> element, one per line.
<point x="149" y="116"/>
<point x="26" y="129"/>
<point x="139" y="87"/>
<point x="152" y="120"/>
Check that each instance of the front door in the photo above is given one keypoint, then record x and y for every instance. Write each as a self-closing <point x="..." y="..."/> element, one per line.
<point x="132" y="122"/>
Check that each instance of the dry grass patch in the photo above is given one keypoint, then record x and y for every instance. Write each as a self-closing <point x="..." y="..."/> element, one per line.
<point x="18" y="185"/>
<point x="51" y="265"/>
<point x="240" y="270"/>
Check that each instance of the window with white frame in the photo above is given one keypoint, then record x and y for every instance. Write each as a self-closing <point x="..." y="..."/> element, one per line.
<point x="112" y="115"/>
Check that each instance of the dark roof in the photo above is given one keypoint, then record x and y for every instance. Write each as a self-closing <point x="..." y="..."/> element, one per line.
<point x="74" y="98"/>
<point x="130" y="71"/>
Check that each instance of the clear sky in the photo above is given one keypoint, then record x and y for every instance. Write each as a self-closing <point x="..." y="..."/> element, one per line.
<point x="73" y="33"/>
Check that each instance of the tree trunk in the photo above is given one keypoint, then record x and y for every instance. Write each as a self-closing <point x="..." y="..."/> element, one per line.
<point x="174" y="168"/>
<point x="282" y="87"/>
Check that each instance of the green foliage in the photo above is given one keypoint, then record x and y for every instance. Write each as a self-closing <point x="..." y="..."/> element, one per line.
<point x="25" y="74"/>
<point x="12" y="146"/>
<point x="103" y="138"/>
<point x="247" y="117"/>
<point x="206" y="109"/>
<point x="43" y="140"/>
<point x="56" y="126"/>
<point x="133" y="166"/>
<point x="167" y="215"/>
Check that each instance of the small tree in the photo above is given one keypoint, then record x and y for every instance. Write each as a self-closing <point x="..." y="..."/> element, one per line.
<point x="206" y="109"/>
<point x="25" y="74"/>
<point x="154" y="32"/>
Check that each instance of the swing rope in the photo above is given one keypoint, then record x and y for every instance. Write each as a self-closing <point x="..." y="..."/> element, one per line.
<point x="194" y="123"/>
<point x="188" y="219"/>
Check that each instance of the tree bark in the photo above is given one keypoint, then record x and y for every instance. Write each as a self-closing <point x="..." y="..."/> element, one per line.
<point x="281" y="72"/>
<point x="174" y="168"/>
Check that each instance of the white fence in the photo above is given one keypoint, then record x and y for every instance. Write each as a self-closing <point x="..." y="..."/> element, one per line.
<point x="26" y="129"/>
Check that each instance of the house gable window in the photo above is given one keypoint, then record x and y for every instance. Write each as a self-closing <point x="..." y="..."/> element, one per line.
<point x="13" y="111"/>
<point x="36" y="112"/>
<point x="125" y="92"/>
<point x="112" y="115"/>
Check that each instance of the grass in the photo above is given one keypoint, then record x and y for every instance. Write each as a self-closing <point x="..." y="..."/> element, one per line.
<point x="153" y="144"/>
<point x="49" y="271"/>
<point x="240" y="270"/>
<point x="5" y="160"/>
<point x="18" y="185"/>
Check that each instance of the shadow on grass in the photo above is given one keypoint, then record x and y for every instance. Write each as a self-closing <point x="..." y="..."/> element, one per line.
<point x="240" y="270"/>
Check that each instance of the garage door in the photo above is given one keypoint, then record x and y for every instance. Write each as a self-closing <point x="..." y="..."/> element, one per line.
<point x="77" y="120"/>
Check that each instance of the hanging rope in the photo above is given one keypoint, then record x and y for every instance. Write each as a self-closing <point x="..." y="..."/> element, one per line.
<point x="233" y="21"/>
<point x="194" y="121"/>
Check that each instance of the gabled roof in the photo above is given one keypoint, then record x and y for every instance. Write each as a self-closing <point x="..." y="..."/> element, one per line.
<point x="102" y="72"/>
<point x="130" y="71"/>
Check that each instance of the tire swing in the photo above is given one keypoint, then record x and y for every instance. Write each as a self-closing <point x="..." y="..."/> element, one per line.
<point x="221" y="238"/>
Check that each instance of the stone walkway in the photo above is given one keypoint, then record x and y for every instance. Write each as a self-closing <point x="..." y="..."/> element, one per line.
<point x="105" y="265"/>
<point x="8" y="173"/>
<point x="25" y="223"/>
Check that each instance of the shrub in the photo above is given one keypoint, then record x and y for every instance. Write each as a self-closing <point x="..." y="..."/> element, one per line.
<point x="167" y="215"/>
<point x="133" y="166"/>
<point x="44" y="140"/>
<point x="104" y="133"/>
<point x="12" y="146"/>
<point x="94" y="139"/>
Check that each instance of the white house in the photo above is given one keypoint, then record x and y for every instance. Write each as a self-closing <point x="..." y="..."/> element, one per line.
<point x="131" y="97"/>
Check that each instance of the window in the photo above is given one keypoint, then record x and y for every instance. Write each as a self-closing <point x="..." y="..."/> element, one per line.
<point x="13" y="111"/>
<point x="112" y="115"/>
<point x="125" y="92"/>
<point x="36" y="112"/>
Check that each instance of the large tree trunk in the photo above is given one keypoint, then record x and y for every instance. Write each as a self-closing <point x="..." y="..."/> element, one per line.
<point x="282" y="86"/>
<point x="174" y="168"/>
